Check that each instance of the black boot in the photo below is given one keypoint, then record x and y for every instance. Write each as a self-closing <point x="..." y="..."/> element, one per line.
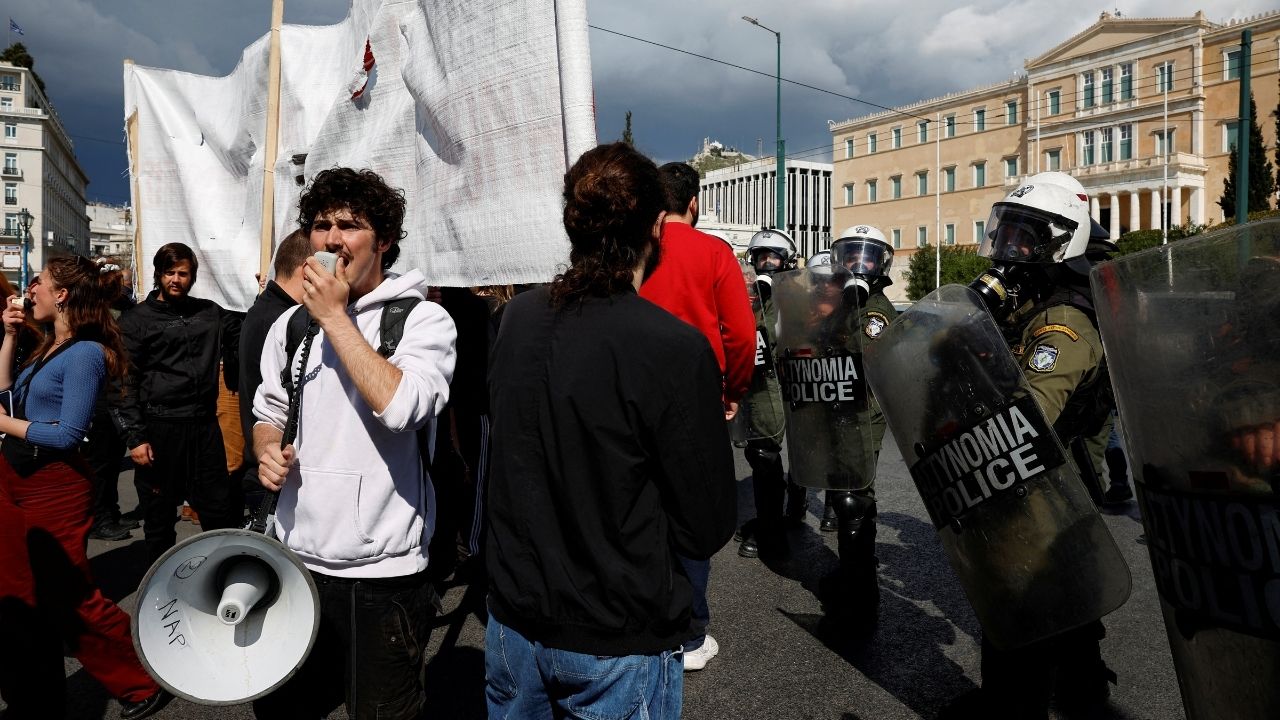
<point x="797" y="503"/>
<point x="829" y="521"/>
<point x="851" y="594"/>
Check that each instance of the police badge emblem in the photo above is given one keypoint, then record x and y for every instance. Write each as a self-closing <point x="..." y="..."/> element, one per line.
<point x="876" y="323"/>
<point x="1043" y="359"/>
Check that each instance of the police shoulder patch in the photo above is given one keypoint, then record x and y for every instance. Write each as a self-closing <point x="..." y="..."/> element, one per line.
<point x="1043" y="359"/>
<point x="1058" y="329"/>
<point x="875" y="324"/>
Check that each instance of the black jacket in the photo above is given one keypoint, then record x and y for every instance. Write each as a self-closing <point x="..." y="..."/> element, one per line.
<point x="269" y="305"/>
<point x="610" y="456"/>
<point x="173" y="350"/>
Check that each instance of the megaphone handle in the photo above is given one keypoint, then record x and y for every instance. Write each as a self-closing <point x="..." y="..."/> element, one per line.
<point x="267" y="507"/>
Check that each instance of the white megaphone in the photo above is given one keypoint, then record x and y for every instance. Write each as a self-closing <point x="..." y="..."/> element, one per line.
<point x="225" y="617"/>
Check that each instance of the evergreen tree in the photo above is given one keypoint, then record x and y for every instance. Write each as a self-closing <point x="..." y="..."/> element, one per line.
<point x="1262" y="179"/>
<point x="1276" y="114"/>
<point x="17" y="54"/>
<point x="626" y="132"/>
<point x="960" y="265"/>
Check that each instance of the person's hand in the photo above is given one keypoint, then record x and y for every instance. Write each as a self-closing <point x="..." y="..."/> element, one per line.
<point x="324" y="294"/>
<point x="273" y="466"/>
<point x="730" y="411"/>
<point x="13" y="317"/>
<point x="142" y="455"/>
<point x="262" y="281"/>
<point x="1260" y="445"/>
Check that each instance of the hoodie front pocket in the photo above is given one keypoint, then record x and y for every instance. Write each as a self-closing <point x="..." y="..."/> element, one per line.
<point x="326" y="519"/>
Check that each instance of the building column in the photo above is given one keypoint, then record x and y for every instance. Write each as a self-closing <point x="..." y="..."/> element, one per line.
<point x="1135" y="202"/>
<point x="1175" y="206"/>
<point x="1093" y="208"/>
<point x="1114" y="219"/>
<point x="1156" y="204"/>
<point x="1197" y="206"/>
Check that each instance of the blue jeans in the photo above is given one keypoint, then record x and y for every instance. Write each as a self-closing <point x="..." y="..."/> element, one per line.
<point x="525" y="680"/>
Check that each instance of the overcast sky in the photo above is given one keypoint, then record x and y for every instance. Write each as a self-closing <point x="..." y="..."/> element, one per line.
<point x="889" y="53"/>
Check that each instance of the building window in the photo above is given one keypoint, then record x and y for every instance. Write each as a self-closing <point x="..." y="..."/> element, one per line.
<point x="848" y="147"/>
<point x="1233" y="65"/>
<point x="1126" y="81"/>
<point x="949" y="125"/>
<point x="1166" y="148"/>
<point x="11" y="131"/>
<point x="11" y="193"/>
<point x="951" y="233"/>
<point x="1055" y="102"/>
<point x="1011" y="112"/>
<point x="922" y="131"/>
<point x="871" y="142"/>
<point x="949" y="177"/>
<point x="10" y="83"/>
<point x="1088" y="148"/>
<point x="1087" y="80"/>
<point x="11" y="224"/>
<point x="11" y="163"/>
<point x="1107" y="85"/>
<point x="1010" y="168"/>
<point x="979" y="174"/>
<point x="1126" y="142"/>
<point x="979" y="119"/>
<point x="922" y="236"/>
<point x="922" y="183"/>
<point x="1106" y="145"/>
<point x="1164" y="77"/>
<point x="896" y="134"/>
<point x="895" y="186"/>
<point x="871" y="191"/>
<point x="6" y="103"/>
<point x="1053" y="160"/>
<point x="848" y="194"/>
<point x="979" y="230"/>
<point x="1230" y="132"/>
<point x="897" y="238"/>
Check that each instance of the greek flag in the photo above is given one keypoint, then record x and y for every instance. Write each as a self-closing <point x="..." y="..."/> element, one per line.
<point x="13" y="27"/>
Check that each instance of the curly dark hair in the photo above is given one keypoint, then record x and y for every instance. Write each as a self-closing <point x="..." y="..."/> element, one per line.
<point x="366" y="195"/>
<point x="613" y="195"/>
<point x="171" y="254"/>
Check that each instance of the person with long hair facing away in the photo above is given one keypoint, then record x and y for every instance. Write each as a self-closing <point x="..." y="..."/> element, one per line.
<point x="47" y="596"/>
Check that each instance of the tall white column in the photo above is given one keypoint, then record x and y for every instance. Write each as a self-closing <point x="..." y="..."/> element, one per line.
<point x="1135" y="200"/>
<point x="1093" y="208"/>
<point x="1155" y="209"/>
<point x="1197" y="206"/>
<point x="1114" y="224"/>
<point x="1175" y="206"/>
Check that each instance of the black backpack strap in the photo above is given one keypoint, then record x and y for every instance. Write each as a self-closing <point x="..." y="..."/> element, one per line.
<point x="394" y="316"/>
<point x="294" y="332"/>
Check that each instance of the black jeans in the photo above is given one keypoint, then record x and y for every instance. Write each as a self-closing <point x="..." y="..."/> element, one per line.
<point x="104" y="451"/>
<point x="190" y="464"/>
<point x="370" y="652"/>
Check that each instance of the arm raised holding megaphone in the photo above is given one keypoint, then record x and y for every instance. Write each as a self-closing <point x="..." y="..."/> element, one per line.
<point x="273" y="461"/>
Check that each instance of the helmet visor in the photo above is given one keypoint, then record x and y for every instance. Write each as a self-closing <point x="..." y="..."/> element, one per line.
<point x="765" y="260"/>
<point x="1016" y="233"/>
<point x="862" y="257"/>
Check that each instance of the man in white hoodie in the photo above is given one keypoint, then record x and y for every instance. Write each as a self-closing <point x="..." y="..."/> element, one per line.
<point x="355" y="502"/>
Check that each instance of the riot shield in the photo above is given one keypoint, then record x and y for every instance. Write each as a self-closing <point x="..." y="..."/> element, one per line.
<point x="829" y="436"/>
<point x="1192" y="335"/>
<point x="1030" y="549"/>
<point x="760" y="412"/>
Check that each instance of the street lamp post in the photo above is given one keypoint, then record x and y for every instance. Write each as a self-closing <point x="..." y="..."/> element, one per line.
<point x="24" y="224"/>
<point x="781" y="182"/>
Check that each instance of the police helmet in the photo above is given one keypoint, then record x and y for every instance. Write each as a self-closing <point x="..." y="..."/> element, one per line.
<point x="775" y="243"/>
<point x="1097" y="233"/>
<point x="1041" y="224"/>
<point x="862" y="250"/>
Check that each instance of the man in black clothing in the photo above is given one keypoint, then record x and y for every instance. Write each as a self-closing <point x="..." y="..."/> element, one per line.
<point x="610" y="458"/>
<point x="167" y="411"/>
<point x="279" y="295"/>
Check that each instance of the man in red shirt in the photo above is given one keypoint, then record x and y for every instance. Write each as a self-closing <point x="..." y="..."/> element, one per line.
<point x="699" y="281"/>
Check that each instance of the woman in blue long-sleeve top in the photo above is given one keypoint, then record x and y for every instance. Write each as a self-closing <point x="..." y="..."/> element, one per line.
<point x="47" y="596"/>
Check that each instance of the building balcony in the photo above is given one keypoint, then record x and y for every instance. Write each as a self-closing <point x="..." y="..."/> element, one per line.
<point x="1140" y="168"/>
<point x="11" y="171"/>
<point x="11" y="86"/>
<point x="11" y="201"/>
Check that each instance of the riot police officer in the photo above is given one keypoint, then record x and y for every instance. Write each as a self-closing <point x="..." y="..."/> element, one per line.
<point x="769" y="252"/>
<point x="1037" y="290"/>
<point x="860" y="262"/>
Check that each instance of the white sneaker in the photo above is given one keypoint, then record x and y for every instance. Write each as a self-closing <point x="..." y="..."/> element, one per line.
<point x="697" y="659"/>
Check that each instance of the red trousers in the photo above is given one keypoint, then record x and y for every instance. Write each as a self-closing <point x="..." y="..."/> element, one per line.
<point x="48" y="598"/>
